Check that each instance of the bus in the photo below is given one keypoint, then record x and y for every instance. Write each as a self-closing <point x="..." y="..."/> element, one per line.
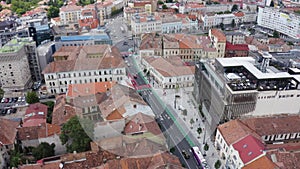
<point x="199" y="158"/>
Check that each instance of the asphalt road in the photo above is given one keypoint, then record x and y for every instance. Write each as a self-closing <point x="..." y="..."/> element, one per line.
<point x="175" y="137"/>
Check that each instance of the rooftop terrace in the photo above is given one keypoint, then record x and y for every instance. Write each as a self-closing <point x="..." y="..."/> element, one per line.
<point x="15" y="45"/>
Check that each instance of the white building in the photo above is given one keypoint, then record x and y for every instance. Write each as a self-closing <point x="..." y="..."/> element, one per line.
<point x="144" y="23"/>
<point x="169" y="73"/>
<point x="83" y="64"/>
<point x="284" y="22"/>
<point x="69" y="14"/>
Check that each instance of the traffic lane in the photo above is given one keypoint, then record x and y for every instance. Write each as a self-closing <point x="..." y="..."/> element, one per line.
<point x="178" y="142"/>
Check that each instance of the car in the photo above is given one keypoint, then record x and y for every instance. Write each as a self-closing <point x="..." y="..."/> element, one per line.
<point x="135" y="76"/>
<point x="14" y="110"/>
<point x="125" y="43"/>
<point x="185" y="154"/>
<point x="23" y="99"/>
<point x="19" y="99"/>
<point x="15" y="99"/>
<point x="11" y="100"/>
<point x="3" y="100"/>
<point x="6" y="100"/>
<point x="8" y="111"/>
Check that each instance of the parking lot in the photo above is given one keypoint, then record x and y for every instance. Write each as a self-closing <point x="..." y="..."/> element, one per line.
<point x="9" y="105"/>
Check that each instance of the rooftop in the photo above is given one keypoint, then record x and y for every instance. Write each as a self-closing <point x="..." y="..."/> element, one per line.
<point x="170" y="67"/>
<point x="263" y="162"/>
<point x="8" y="131"/>
<point x="84" y="37"/>
<point x="75" y="90"/>
<point x="15" y="45"/>
<point x="219" y="34"/>
<point x="249" y="148"/>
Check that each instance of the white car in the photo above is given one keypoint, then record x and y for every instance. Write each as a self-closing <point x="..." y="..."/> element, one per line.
<point x="3" y="100"/>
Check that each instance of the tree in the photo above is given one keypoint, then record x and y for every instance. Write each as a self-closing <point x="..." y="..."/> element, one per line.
<point x="164" y="6"/>
<point x="77" y="134"/>
<point x="232" y="23"/>
<point x="217" y="164"/>
<point x="206" y="147"/>
<point x="32" y="97"/>
<point x="43" y="150"/>
<point x="1" y="7"/>
<point x="50" y="105"/>
<point x="222" y="26"/>
<point x="199" y="130"/>
<point x="235" y="7"/>
<point x="53" y="12"/>
<point x="272" y="4"/>
<point x="275" y="34"/>
<point x="192" y="121"/>
<point x="160" y="2"/>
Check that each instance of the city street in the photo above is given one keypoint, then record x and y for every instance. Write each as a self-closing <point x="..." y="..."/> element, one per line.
<point x="119" y="34"/>
<point x="177" y="134"/>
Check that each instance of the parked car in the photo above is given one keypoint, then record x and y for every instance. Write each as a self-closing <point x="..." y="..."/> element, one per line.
<point x="3" y="100"/>
<point x="6" y="100"/>
<point x="185" y="154"/>
<point x="14" y="110"/>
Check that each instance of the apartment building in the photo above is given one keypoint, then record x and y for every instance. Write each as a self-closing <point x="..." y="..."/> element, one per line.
<point x="235" y="37"/>
<point x="18" y="65"/>
<point x="187" y="47"/>
<point x="243" y="141"/>
<point x="234" y="87"/>
<point x="69" y="14"/>
<point x="218" y="40"/>
<point x="104" y="10"/>
<point x="88" y="17"/>
<point x="283" y="21"/>
<point x="93" y="63"/>
<point x="145" y="23"/>
<point x="169" y="73"/>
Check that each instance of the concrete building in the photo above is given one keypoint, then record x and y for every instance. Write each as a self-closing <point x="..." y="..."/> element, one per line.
<point x="285" y="22"/>
<point x="93" y="63"/>
<point x="14" y="64"/>
<point x="82" y="40"/>
<point x="169" y="73"/>
<point x="44" y="54"/>
<point x="69" y="14"/>
<point x="230" y="88"/>
<point x="104" y="10"/>
<point x="144" y="23"/>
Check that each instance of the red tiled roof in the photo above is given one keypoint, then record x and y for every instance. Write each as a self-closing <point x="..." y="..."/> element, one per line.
<point x="75" y="90"/>
<point x="239" y="47"/>
<point x="219" y="34"/>
<point x="35" y="115"/>
<point x="70" y="8"/>
<point x="36" y="132"/>
<point x="8" y="131"/>
<point x="249" y="148"/>
<point x="142" y="123"/>
<point x="61" y="111"/>
<point x="261" y="163"/>
<point x="239" y="14"/>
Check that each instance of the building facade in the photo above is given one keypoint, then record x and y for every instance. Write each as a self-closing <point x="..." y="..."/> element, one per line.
<point x="94" y="63"/>
<point x="286" y="23"/>
<point x="69" y="14"/>
<point x="144" y="23"/>
<point x="15" y="65"/>
<point x="233" y="87"/>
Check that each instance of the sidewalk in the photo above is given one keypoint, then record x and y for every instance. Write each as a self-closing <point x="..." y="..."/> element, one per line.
<point x="186" y="101"/>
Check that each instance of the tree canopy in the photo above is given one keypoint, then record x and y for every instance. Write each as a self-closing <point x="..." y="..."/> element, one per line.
<point x="235" y="7"/>
<point x="32" y="97"/>
<point x="77" y="134"/>
<point x="20" y="7"/>
<point x="53" y="12"/>
<point x="275" y="34"/>
<point x="43" y="150"/>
